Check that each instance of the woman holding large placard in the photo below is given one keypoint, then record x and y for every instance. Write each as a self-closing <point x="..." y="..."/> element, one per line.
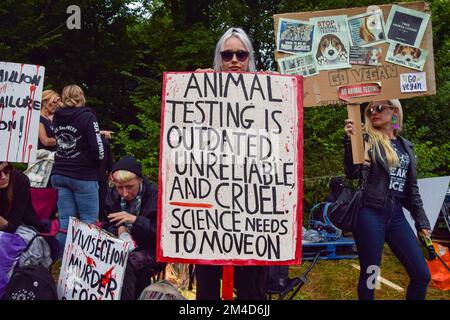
<point x="234" y="52"/>
<point x="391" y="185"/>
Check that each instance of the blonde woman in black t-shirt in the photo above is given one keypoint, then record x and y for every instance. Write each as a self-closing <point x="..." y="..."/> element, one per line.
<point x="391" y="185"/>
<point x="50" y="102"/>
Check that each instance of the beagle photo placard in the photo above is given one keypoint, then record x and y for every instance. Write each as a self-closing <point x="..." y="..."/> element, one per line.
<point x="407" y="56"/>
<point x="331" y="43"/>
<point x="371" y="56"/>
<point x="367" y="29"/>
<point x="406" y="25"/>
<point x="294" y="36"/>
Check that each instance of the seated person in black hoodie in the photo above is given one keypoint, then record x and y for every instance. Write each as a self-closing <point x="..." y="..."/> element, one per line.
<point x="15" y="201"/>
<point x="131" y="206"/>
<point x="103" y="174"/>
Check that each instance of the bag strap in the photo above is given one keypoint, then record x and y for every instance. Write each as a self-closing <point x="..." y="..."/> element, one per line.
<point x="366" y="153"/>
<point x="365" y="167"/>
<point x="30" y="243"/>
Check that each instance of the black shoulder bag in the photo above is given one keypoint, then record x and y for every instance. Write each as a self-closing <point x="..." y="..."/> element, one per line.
<point x="344" y="212"/>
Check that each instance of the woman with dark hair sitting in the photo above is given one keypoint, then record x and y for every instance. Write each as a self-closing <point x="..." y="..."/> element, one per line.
<point x="15" y="201"/>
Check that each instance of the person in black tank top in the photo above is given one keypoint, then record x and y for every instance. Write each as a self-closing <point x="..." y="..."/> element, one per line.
<point x="50" y="102"/>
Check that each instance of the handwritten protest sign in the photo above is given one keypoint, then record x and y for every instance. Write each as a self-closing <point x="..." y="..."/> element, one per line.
<point x="20" y="103"/>
<point x="231" y="169"/>
<point x="413" y="82"/>
<point x="93" y="264"/>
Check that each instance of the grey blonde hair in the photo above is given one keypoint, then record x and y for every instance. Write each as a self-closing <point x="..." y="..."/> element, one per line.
<point x="73" y="96"/>
<point x="241" y="35"/>
<point x="377" y="138"/>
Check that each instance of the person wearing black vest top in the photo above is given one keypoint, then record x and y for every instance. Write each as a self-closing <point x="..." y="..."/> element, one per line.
<point x="391" y="185"/>
<point x="50" y="102"/>
<point x="234" y="52"/>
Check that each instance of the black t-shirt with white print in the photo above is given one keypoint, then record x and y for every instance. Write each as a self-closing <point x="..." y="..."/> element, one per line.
<point x="398" y="174"/>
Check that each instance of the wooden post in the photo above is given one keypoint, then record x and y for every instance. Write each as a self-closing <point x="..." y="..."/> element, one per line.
<point x="227" y="282"/>
<point x="354" y="113"/>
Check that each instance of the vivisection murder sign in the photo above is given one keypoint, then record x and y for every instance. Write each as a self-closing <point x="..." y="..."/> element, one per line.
<point x="20" y="104"/>
<point x="93" y="264"/>
<point x="230" y="180"/>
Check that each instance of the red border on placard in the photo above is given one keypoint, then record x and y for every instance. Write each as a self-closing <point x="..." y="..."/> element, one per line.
<point x="298" y="82"/>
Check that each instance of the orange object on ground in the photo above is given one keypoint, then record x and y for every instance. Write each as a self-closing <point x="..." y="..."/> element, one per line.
<point x="440" y="276"/>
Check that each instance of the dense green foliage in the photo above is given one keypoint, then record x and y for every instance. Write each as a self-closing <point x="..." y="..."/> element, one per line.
<point x="123" y="48"/>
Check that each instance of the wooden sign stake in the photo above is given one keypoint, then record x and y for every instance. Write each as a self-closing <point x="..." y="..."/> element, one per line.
<point x="354" y="113"/>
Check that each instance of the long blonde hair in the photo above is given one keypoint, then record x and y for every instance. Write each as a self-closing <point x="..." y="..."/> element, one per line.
<point x="377" y="138"/>
<point x="48" y="96"/>
<point x="73" y="96"/>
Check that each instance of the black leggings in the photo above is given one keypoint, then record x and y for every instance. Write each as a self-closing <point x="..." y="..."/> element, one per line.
<point x="250" y="282"/>
<point x="141" y="266"/>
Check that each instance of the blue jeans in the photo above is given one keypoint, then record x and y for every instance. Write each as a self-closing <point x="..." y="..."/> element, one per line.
<point x="375" y="226"/>
<point x="76" y="198"/>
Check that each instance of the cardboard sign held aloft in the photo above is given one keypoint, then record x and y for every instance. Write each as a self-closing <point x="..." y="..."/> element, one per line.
<point x="20" y="104"/>
<point x="407" y="23"/>
<point x="93" y="264"/>
<point x="231" y="169"/>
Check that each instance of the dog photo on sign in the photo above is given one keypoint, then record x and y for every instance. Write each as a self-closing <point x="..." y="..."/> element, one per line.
<point x="331" y="44"/>
<point x="371" y="56"/>
<point x="407" y="56"/>
<point x="331" y="50"/>
<point x="367" y="29"/>
<point x="294" y="36"/>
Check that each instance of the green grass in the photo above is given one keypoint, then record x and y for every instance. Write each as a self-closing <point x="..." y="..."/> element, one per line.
<point x="337" y="280"/>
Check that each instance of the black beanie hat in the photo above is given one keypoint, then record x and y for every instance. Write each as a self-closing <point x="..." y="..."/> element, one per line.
<point x="128" y="163"/>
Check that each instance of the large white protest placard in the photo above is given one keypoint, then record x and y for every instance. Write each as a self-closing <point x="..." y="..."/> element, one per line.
<point x="20" y="103"/>
<point x="231" y="169"/>
<point x="93" y="264"/>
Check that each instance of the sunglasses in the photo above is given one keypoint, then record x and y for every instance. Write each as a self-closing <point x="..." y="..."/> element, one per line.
<point x="6" y="170"/>
<point x="379" y="108"/>
<point x="241" y="55"/>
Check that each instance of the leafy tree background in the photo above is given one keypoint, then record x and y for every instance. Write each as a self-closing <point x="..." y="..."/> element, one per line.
<point x="123" y="48"/>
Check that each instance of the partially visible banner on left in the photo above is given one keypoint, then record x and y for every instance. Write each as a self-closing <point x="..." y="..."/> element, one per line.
<point x="20" y="104"/>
